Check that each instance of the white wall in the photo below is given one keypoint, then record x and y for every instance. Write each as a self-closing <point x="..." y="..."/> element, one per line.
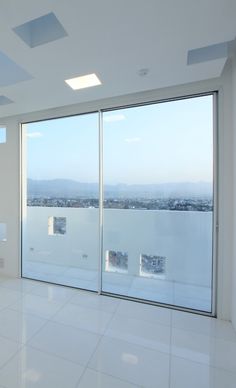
<point x="225" y="196"/>
<point x="9" y="198"/>
<point x="233" y="203"/>
<point x="10" y="175"/>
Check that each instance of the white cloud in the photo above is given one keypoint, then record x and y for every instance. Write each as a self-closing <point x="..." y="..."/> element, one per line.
<point x="34" y="135"/>
<point x="132" y="139"/>
<point x="112" y="118"/>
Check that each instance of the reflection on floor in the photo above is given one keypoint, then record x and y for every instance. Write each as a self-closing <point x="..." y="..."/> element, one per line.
<point x="159" y="290"/>
<point x="54" y="336"/>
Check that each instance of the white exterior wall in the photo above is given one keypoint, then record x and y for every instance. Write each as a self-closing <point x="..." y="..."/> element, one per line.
<point x="10" y="176"/>
<point x="184" y="238"/>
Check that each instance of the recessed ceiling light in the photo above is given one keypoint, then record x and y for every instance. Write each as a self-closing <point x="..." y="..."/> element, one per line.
<point x="85" y="81"/>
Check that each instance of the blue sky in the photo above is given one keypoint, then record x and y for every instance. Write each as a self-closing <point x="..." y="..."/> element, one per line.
<point x="167" y="142"/>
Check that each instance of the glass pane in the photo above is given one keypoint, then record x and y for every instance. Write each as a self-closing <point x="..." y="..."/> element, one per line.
<point x="158" y="202"/>
<point x="60" y="204"/>
<point x="2" y="135"/>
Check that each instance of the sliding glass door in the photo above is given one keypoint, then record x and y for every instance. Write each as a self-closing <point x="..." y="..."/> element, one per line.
<point x="149" y="235"/>
<point x="60" y="241"/>
<point x="158" y="202"/>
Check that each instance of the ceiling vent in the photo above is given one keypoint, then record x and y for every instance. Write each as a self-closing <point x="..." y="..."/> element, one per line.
<point x="42" y="30"/>
<point x="5" y="100"/>
<point x="208" y="53"/>
<point x="10" y="72"/>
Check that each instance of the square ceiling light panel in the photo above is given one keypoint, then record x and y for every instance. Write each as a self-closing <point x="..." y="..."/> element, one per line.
<point x="208" y="53"/>
<point x="10" y="72"/>
<point x="84" y="81"/>
<point x="42" y="30"/>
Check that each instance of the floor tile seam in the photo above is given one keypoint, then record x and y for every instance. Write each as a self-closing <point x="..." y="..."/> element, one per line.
<point x="204" y="364"/>
<point x="21" y="347"/>
<point x="209" y="336"/>
<point x="36" y="282"/>
<point x="90" y="358"/>
<point x="15" y="301"/>
<point x="93" y="308"/>
<point x="11" y="306"/>
<point x="170" y="343"/>
<point x="112" y="296"/>
<point x="98" y="343"/>
<point x="31" y="314"/>
<point x="30" y="291"/>
<point x="118" y="305"/>
<point x="55" y="302"/>
<point x="142" y="320"/>
<point x="37" y="332"/>
<point x="17" y="290"/>
<point x="67" y="325"/>
<point x="11" y="340"/>
<point x="115" y="377"/>
<point x="5" y="308"/>
<point x="110" y="375"/>
<point x="75" y="326"/>
<point x="138" y="344"/>
<point x="10" y="289"/>
<point x="53" y="320"/>
<point x="33" y="335"/>
<point x="75" y="363"/>
<point x="80" y="378"/>
<point x="117" y="315"/>
<point x="58" y="310"/>
<point x="108" y="323"/>
<point x="72" y="295"/>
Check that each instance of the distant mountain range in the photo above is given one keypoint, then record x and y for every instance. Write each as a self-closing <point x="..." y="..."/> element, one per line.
<point x="66" y="188"/>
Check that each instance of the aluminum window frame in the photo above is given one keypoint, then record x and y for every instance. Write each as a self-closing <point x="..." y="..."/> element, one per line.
<point x="215" y="223"/>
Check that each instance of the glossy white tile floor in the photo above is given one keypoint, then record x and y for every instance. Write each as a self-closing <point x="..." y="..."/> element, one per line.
<point x="56" y="337"/>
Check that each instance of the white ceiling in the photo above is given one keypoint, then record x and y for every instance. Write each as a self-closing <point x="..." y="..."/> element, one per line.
<point x="114" y="39"/>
